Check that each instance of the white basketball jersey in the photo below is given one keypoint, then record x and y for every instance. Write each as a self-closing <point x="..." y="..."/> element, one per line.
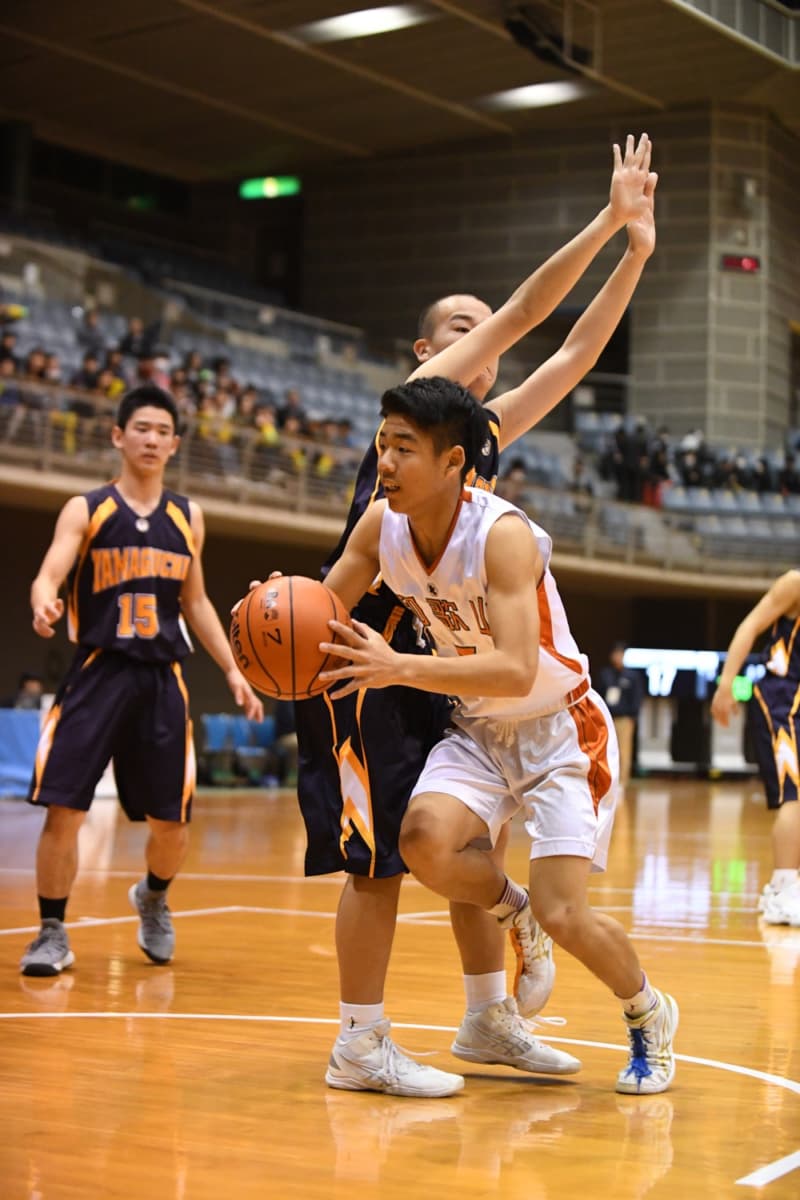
<point x="451" y="600"/>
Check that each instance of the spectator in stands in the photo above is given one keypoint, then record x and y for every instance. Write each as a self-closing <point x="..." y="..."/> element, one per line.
<point x="135" y="342"/>
<point x="581" y="485"/>
<point x="621" y="688"/>
<point x="761" y="476"/>
<point x="246" y="406"/>
<point x="346" y="437"/>
<point x="627" y="464"/>
<point x="178" y="378"/>
<point x="11" y="406"/>
<point x="109" y="385"/>
<point x="89" y="334"/>
<point x="153" y="367"/>
<point x="30" y="689"/>
<point x="115" y="363"/>
<point x="86" y="375"/>
<point x="658" y="469"/>
<point x="35" y="399"/>
<point x="185" y="399"/>
<point x="193" y="365"/>
<point x="266" y="446"/>
<point x="294" y="454"/>
<point x="8" y="346"/>
<point x="35" y="364"/>
<point x="695" y="460"/>
<point x="741" y="475"/>
<point x="789" y="477"/>
<point x="226" y="398"/>
<point x="291" y="408"/>
<point x="205" y="384"/>
<point x="52" y="369"/>
<point x="513" y="481"/>
<point x="691" y="473"/>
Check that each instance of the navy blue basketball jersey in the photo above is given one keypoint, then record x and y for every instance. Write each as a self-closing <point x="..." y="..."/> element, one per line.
<point x="773" y="713"/>
<point x="781" y="654"/>
<point x="380" y="608"/>
<point x="779" y="689"/>
<point x="125" y="584"/>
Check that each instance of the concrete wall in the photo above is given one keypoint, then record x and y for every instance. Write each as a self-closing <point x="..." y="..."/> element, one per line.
<point x="708" y="348"/>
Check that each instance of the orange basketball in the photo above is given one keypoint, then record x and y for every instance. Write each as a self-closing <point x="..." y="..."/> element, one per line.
<point x="275" y="636"/>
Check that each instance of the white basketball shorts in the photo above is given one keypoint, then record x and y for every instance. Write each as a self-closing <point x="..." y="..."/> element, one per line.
<point x="561" y="770"/>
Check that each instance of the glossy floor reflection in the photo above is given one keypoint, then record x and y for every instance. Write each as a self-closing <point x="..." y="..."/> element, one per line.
<point x="205" y="1078"/>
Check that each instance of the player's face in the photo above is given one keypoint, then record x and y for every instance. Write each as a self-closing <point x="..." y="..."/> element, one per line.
<point x="456" y="316"/>
<point x="148" y="441"/>
<point x="413" y="474"/>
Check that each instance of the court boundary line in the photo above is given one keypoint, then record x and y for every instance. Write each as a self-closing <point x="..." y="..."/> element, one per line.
<point x="761" y="1176"/>
<point x="430" y="918"/>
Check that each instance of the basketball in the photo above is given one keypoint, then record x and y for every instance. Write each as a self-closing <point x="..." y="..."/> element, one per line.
<point x="275" y="635"/>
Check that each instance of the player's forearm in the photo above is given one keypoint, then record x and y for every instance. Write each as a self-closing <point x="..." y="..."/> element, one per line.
<point x="495" y="673"/>
<point x="543" y="291"/>
<point x="740" y="647"/>
<point x="205" y="623"/>
<point x="589" y="336"/>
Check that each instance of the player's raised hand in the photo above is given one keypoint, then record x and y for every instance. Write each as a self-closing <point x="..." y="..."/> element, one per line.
<point x="244" y="695"/>
<point x="642" y="228"/>
<point x="629" y="177"/>
<point x="45" y="617"/>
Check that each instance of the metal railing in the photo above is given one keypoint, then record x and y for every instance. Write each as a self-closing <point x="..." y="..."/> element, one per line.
<point x="50" y="429"/>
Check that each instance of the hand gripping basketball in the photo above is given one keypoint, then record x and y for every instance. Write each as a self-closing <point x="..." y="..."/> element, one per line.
<point x="276" y="632"/>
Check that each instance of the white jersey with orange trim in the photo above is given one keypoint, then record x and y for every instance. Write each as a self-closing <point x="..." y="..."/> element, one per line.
<point x="451" y="599"/>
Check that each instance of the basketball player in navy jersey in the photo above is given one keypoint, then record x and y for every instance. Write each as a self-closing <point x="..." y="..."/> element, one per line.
<point x="353" y="799"/>
<point x="527" y="735"/>
<point x="129" y="553"/>
<point x="772" y="713"/>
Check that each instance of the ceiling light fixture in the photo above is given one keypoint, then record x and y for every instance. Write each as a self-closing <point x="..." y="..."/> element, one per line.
<point x="535" y="95"/>
<point x="364" y="23"/>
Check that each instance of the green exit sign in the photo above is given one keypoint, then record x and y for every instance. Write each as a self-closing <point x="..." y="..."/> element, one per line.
<point x="270" y="187"/>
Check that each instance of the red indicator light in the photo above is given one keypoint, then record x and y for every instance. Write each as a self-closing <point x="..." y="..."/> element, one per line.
<point x="741" y="262"/>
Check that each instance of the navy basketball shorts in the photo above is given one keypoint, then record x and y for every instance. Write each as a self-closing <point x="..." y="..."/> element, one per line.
<point x="111" y="706"/>
<point x="358" y="760"/>
<point x="773" y="726"/>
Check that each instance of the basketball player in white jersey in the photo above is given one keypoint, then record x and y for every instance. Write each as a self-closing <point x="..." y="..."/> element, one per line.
<point x="528" y="732"/>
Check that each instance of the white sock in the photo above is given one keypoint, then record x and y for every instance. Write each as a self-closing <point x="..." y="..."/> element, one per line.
<point x="512" y="900"/>
<point x="642" y="1002"/>
<point x="484" y="990"/>
<point x="357" y="1018"/>
<point x="783" y="879"/>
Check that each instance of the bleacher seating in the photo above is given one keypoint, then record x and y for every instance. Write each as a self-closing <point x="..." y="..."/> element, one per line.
<point x="336" y="377"/>
<point x="234" y="749"/>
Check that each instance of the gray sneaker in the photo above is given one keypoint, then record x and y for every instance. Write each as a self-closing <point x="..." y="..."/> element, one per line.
<point x="372" y="1063"/>
<point x="156" y="935"/>
<point x="49" y="953"/>
<point x="498" y="1034"/>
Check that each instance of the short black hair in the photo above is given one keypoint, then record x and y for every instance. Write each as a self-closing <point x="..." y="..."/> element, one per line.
<point x="147" y="395"/>
<point x="427" y="318"/>
<point x="445" y="410"/>
<point x="426" y="321"/>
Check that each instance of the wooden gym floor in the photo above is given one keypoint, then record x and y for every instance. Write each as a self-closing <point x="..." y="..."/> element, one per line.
<point x="204" y="1079"/>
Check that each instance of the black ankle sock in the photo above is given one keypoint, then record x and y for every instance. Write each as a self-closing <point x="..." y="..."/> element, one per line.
<point x="156" y="884"/>
<point x="50" y="910"/>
